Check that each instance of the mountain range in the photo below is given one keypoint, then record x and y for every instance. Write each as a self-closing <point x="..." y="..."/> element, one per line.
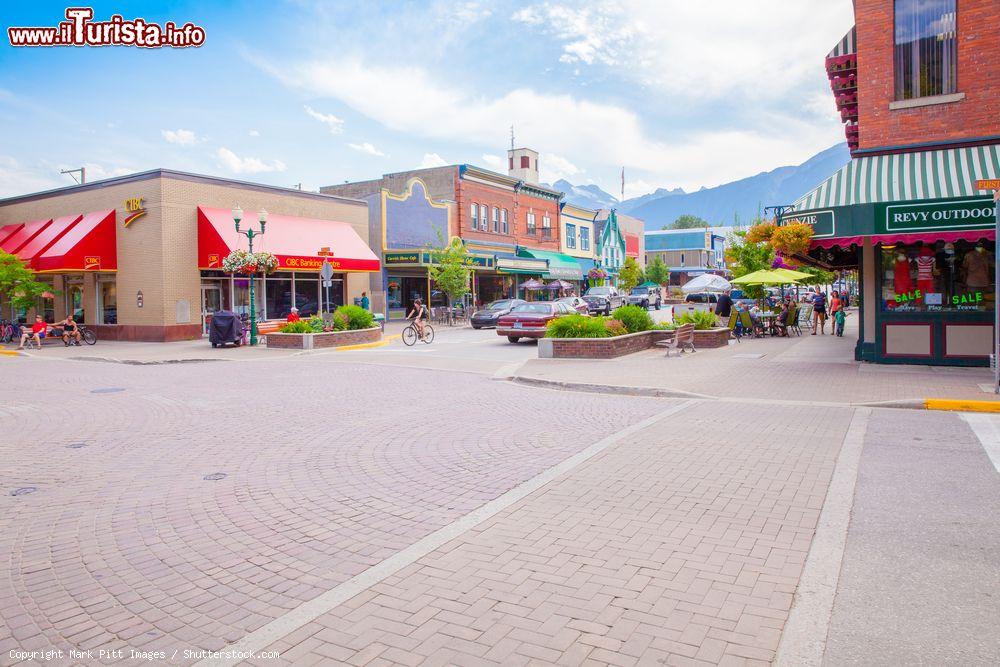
<point x="723" y="205"/>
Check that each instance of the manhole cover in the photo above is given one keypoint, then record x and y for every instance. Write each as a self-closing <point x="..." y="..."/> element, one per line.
<point x="24" y="490"/>
<point x="215" y="476"/>
<point x="107" y="390"/>
<point x="76" y="445"/>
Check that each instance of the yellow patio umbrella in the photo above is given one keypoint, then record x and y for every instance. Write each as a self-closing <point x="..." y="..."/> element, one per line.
<point x="765" y="277"/>
<point x="792" y="274"/>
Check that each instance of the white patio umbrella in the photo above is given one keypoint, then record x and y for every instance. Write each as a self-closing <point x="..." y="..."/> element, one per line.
<point x="706" y="282"/>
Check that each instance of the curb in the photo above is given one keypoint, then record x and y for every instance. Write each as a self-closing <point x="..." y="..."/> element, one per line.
<point x="365" y="346"/>
<point x="958" y="405"/>
<point x="655" y="392"/>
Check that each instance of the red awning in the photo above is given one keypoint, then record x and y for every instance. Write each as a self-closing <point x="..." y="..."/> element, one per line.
<point x="88" y="245"/>
<point x="298" y="243"/>
<point x="926" y="237"/>
<point x="47" y="236"/>
<point x="9" y="230"/>
<point x="20" y="237"/>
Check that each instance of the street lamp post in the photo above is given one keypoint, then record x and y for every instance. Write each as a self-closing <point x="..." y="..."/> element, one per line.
<point x="250" y="234"/>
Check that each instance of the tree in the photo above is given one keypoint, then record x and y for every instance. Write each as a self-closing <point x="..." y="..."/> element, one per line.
<point x="630" y="274"/>
<point x="450" y="270"/>
<point x="18" y="282"/>
<point x="658" y="272"/>
<point x="745" y="256"/>
<point x="687" y="222"/>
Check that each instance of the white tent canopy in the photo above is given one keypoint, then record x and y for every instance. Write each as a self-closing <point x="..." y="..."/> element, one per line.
<point x="706" y="282"/>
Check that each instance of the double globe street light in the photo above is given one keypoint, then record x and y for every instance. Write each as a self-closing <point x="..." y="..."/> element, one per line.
<point x="250" y="234"/>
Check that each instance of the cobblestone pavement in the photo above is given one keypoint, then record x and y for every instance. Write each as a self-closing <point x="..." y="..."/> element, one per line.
<point x="328" y="469"/>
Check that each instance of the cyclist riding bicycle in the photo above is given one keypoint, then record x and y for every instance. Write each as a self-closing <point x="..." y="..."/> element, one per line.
<point x="418" y="315"/>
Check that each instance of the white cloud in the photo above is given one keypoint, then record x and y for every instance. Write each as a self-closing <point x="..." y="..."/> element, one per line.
<point x="554" y="167"/>
<point x="246" y="165"/>
<point x="19" y="179"/>
<point x="254" y="133"/>
<point x="182" y="137"/>
<point x="466" y="13"/>
<point x="431" y="160"/>
<point x="367" y="148"/>
<point x="335" y="125"/>
<point x="495" y="162"/>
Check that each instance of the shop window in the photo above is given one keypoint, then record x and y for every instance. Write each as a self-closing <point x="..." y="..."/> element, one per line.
<point x="496" y="220"/>
<point x="484" y="217"/>
<point x="474" y="217"/>
<point x="570" y="236"/>
<point x="925" y="56"/>
<point x="530" y="223"/>
<point x="74" y="301"/>
<point x="278" y="301"/>
<point x="394" y="292"/>
<point x="584" y="238"/>
<point x="504" y="227"/>
<point x="954" y="277"/>
<point x="307" y="296"/>
<point x="108" y="307"/>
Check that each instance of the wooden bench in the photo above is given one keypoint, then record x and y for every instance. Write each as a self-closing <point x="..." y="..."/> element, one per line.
<point x="682" y="337"/>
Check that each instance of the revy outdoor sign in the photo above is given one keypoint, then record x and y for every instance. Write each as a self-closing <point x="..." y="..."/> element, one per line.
<point x="918" y="217"/>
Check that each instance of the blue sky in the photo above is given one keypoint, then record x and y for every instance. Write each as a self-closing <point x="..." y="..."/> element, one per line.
<point x="285" y="92"/>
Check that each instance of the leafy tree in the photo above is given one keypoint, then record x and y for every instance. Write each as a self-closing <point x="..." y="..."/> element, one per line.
<point x="18" y="282"/>
<point x="743" y="256"/>
<point x="687" y="222"/>
<point x="658" y="272"/>
<point x="630" y="274"/>
<point x="450" y="270"/>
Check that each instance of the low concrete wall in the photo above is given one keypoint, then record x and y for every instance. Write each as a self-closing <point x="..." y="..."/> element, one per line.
<point x="619" y="346"/>
<point x="316" y="341"/>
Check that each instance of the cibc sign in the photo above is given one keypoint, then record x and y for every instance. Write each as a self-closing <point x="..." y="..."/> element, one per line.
<point x="133" y="210"/>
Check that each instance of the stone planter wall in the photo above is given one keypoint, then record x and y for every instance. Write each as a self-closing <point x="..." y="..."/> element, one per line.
<point x="619" y="346"/>
<point x="316" y="341"/>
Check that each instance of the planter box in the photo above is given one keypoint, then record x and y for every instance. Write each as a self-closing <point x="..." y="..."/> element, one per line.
<point x="315" y="341"/>
<point x="619" y="346"/>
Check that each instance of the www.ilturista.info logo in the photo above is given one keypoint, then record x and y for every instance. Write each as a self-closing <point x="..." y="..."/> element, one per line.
<point x="80" y="30"/>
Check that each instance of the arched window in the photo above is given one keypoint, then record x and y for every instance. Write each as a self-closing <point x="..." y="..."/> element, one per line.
<point x="504" y="227"/>
<point x="474" y="218"/>
<point x="496" y="220"/>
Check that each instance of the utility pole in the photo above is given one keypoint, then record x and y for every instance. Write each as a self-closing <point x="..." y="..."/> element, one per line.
<point x="73" y="172"/>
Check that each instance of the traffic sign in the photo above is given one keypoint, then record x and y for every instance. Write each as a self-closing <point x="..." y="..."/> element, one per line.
<point x="326" y="272"/>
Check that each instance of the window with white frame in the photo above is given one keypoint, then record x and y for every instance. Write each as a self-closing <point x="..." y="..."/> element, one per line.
<point x="530" y="222"/>
<point x="475" y="215"/>
<point x="570" y="235"/>
<point x="484" y="217"/>
<point x="496" y="220"/>
<point x="925" y="58"/>
<point x="584" y="238"/>
<point x="504" y="227"/>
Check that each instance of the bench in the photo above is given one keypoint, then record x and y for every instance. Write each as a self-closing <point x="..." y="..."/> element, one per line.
<point x="680" y="338"/>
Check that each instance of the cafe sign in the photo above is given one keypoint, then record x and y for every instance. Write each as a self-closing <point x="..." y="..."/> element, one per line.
<point x="936" y="216"/>
<point x="822" y="222"/>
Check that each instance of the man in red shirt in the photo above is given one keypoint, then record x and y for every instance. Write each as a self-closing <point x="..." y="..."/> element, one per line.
<point x="37" y="332"/>
<point x="293" y="316"/>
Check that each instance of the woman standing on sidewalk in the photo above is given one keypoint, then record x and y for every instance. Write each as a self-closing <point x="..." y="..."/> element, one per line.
<point x="819" y="312"/>
<point x="837" y="313"/>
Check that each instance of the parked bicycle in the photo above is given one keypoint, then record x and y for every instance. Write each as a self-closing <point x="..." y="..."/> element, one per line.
<point x="88" y="336"/>
<point x="410" y="334"/>
<point x="10" y="332"/>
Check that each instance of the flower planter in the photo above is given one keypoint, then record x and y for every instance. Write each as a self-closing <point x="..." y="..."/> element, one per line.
<point x="619" y="346"/>
<point x="315" y="341"/>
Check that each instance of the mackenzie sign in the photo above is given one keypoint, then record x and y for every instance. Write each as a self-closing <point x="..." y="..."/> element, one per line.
<point x="918" y="217"/>
<point x="822" y="222"/>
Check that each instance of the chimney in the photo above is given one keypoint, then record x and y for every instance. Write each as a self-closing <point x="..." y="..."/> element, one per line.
<point x="522" y="164"/>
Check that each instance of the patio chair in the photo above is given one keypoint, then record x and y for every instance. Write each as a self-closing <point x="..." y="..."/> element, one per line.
<point x="793" y="321"/>
<point x="805" y="318"/>
<point x="734" y="330"/>
<point x="747" y="323"/>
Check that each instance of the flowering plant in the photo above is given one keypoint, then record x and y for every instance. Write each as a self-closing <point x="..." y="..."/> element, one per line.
<point x="597" y="273"/>
<point x="241" y="261"/>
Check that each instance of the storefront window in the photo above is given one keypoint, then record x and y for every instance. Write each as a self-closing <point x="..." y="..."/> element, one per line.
<point x="74" y="301"/>
<point x="278" y="302"/>
<point x="241" y="297"/>
<point x="109" y="302"/>
<point x="953" y="277"/>
<point x="307" y="294"/>
<point x="394" y="292"/>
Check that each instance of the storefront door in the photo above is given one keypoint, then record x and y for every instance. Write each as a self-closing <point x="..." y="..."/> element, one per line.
<point x="211" y="303"/>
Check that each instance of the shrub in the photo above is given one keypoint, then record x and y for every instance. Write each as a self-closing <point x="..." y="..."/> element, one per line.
<point x="615" y="327"/>
<point x="634" y="318"/>
<point x="578" y="326"/>
<point x="357" y="317"/>
<point x="316" y="324"/>
<point x="702" y="319"/>
<point x="300" y="327"/>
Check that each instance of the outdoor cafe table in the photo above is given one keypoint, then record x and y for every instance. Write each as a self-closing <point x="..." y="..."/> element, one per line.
<point x="768" y="319"/>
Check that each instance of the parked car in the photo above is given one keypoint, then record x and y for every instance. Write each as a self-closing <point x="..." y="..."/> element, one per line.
<point x="740" y="297"/>
<point x="576" y="303"/>
<point x="702" y="297"/>
<point x="488" y="316"/>
<point x="603" y="299"/>
<point x="529" y="319"/>
<point x="646" y="296"/>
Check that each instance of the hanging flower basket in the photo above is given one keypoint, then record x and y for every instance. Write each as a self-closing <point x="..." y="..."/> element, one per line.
<point x="248" y="264"/>
<point x="597" y="273"/>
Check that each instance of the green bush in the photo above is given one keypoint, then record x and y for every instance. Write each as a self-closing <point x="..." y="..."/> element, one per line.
<point x="702" y="319"/>
<point x="300" y="327"/>
<point x="578" y="326"/>
<point x="316" y="324"/>
<point x="357" y="317"/>
<point x="633" y="318"/>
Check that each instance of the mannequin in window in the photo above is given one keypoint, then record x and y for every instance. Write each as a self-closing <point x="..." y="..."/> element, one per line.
<point x="925" y="271"/>
<point x="903" y="284"/>
<point x="976" y="266"/>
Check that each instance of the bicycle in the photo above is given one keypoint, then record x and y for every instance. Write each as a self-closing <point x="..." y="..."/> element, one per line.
<point x="410" y="334"/>
<point x="9" y="332"/>
<point x="88" y="336"/>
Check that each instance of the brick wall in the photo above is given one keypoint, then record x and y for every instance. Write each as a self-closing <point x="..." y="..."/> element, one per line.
<point x="323" y="340"/>
<point x="517" y="206"/>
<point x="978" y="78"/>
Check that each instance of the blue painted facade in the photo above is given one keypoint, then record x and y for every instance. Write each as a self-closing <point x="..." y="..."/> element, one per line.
<point x="413" y="220"/>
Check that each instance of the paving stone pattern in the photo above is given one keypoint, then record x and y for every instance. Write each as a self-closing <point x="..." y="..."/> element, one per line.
<point x="682" y="546"/>
<point x="329" y="468"/>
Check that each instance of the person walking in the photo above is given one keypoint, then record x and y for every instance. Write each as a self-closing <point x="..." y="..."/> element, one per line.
<point x="365" y="303"/>
<point x="819" y="313"/>
<point x="724" y="306"/>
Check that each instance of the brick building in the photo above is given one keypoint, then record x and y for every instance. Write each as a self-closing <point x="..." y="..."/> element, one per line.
<point x="139" y="257"/>
<point x="917" y="83"/>
<point x="509" y="223"/>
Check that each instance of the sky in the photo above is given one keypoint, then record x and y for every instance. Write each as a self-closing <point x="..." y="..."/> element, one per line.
<point x="288" y="92"/>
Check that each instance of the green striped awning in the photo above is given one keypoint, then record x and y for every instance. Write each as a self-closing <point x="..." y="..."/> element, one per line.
<point x="846" y="45"/>
<point x="906" y="177"/>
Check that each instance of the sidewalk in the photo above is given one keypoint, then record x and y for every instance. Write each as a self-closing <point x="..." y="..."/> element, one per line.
<point x="807" y="368"/>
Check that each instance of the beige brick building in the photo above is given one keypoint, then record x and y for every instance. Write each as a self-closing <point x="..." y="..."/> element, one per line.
<point x="159" y="273"/>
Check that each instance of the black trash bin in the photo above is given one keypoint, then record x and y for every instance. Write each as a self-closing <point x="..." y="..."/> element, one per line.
<point x="226" y="327"/>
